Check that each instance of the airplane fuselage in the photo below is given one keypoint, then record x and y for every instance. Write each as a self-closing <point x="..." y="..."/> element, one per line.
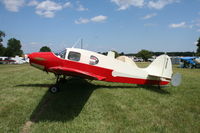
<point x="91" y="65"/>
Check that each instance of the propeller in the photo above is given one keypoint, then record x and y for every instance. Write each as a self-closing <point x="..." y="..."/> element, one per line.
<point x="176" y="79"/>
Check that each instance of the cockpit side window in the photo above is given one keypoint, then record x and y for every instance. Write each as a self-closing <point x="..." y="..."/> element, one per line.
<point x="93" y="60"/>
<point x="74" y="56"/>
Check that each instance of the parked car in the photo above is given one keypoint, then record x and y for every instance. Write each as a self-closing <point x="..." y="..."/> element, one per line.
<point x="138" y="59"/>
<point x="151" y="59"/>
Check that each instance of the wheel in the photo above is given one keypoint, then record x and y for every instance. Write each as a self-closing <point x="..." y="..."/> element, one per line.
<point x="190" y="66"/>
<point x="54" y="89"/>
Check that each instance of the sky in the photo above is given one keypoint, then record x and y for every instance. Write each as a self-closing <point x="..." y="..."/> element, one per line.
<point x="122" y="25"/>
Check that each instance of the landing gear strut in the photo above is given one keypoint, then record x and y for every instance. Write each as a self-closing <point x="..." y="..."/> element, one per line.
<point x="55" y="88"/>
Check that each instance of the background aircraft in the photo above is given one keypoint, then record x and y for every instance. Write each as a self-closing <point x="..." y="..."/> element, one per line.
<point x="190" y="62"/>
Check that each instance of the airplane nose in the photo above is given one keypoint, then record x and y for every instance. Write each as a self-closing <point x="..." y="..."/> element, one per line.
<point x="30" y="56"/>
<point x="37" y="60"/>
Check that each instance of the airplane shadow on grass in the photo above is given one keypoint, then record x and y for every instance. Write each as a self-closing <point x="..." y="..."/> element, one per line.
<point x="68" y="104"/>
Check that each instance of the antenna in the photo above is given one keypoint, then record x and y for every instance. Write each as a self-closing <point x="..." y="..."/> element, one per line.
<point x="77" y="42"/>
<point x="82" y="43"/>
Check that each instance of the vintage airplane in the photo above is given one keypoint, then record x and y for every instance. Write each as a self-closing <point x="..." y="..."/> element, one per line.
<point x="95" y="66"/>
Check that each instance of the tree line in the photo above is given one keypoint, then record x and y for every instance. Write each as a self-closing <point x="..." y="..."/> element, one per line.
<point x="14" y="47"/>
<point x="146" y="54"/>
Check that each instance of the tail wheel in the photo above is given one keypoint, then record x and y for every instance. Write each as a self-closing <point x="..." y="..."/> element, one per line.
<point x="54" y="89"/>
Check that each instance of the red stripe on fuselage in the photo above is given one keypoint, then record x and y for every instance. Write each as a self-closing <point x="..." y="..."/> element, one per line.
<point x="53" y="61"/>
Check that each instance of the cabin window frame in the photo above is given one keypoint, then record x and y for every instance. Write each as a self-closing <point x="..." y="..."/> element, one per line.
<point x="77" y="56"/>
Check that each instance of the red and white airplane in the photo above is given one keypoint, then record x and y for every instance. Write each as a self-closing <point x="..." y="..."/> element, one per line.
<point x="92" y="65"/>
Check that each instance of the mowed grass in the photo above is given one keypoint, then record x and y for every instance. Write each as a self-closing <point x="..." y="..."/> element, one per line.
<point x="95" y="107"/>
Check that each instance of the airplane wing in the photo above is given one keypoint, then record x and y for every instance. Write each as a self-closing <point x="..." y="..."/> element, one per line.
<point x="75" y="72"/>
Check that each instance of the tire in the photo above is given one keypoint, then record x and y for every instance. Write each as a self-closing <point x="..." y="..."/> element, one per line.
<point x="190" y="66"/>
<point x="54" y="89"/>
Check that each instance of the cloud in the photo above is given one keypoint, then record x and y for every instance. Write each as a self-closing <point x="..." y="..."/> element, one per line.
<point x="82" y="21"/>
<point x="197" y="23"/>
<point x="99" y="18"/>
<point x="67" y="5"/>
<point x="155" y="4"/>
<point x="96" y="19"/>
<point x="48" y="8"/>
<point x="125" y="4"/>
<point x="159" y="4"/>
<point x="49" y="5"/>
<point x="46" y="14"/>
<point x="179" y="25"/>
<point x="13" y="5"/>
<point x="193" y="25"/>
<point x="33" y="3"/>
<point x="148" y="16"/>
<point x="34" y="43"/>
<point x="81" y="7"/>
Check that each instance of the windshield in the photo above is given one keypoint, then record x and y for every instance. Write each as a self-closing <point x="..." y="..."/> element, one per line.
<point x="61" y="54"/>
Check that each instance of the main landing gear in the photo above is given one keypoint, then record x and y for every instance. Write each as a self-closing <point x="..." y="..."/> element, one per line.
<point x="55" y="88"/>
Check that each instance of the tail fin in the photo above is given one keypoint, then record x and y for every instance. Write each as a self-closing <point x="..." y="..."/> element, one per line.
<point x="161" y="67"/>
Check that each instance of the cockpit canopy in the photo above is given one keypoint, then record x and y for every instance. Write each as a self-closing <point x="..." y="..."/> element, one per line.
<point x="61" y="54"/>
<point x="78" y="55"/>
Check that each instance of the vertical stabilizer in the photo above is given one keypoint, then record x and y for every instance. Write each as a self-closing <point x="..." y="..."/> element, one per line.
<point x="161" y="67"/>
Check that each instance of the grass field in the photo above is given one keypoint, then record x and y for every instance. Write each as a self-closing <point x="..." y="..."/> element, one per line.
<point x="95" y="107"/>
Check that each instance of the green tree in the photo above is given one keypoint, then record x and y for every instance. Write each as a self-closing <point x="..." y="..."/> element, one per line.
<point x="144" y="54"/>
<point x="45" y="49"/>
<point x="116" y="53"/>
<point x="2" y="34"/>
<point x="198" y="47"/>
<point x="121" y="54"/>
<point x="13" y="48"/>
<point x="2" y="48"/>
